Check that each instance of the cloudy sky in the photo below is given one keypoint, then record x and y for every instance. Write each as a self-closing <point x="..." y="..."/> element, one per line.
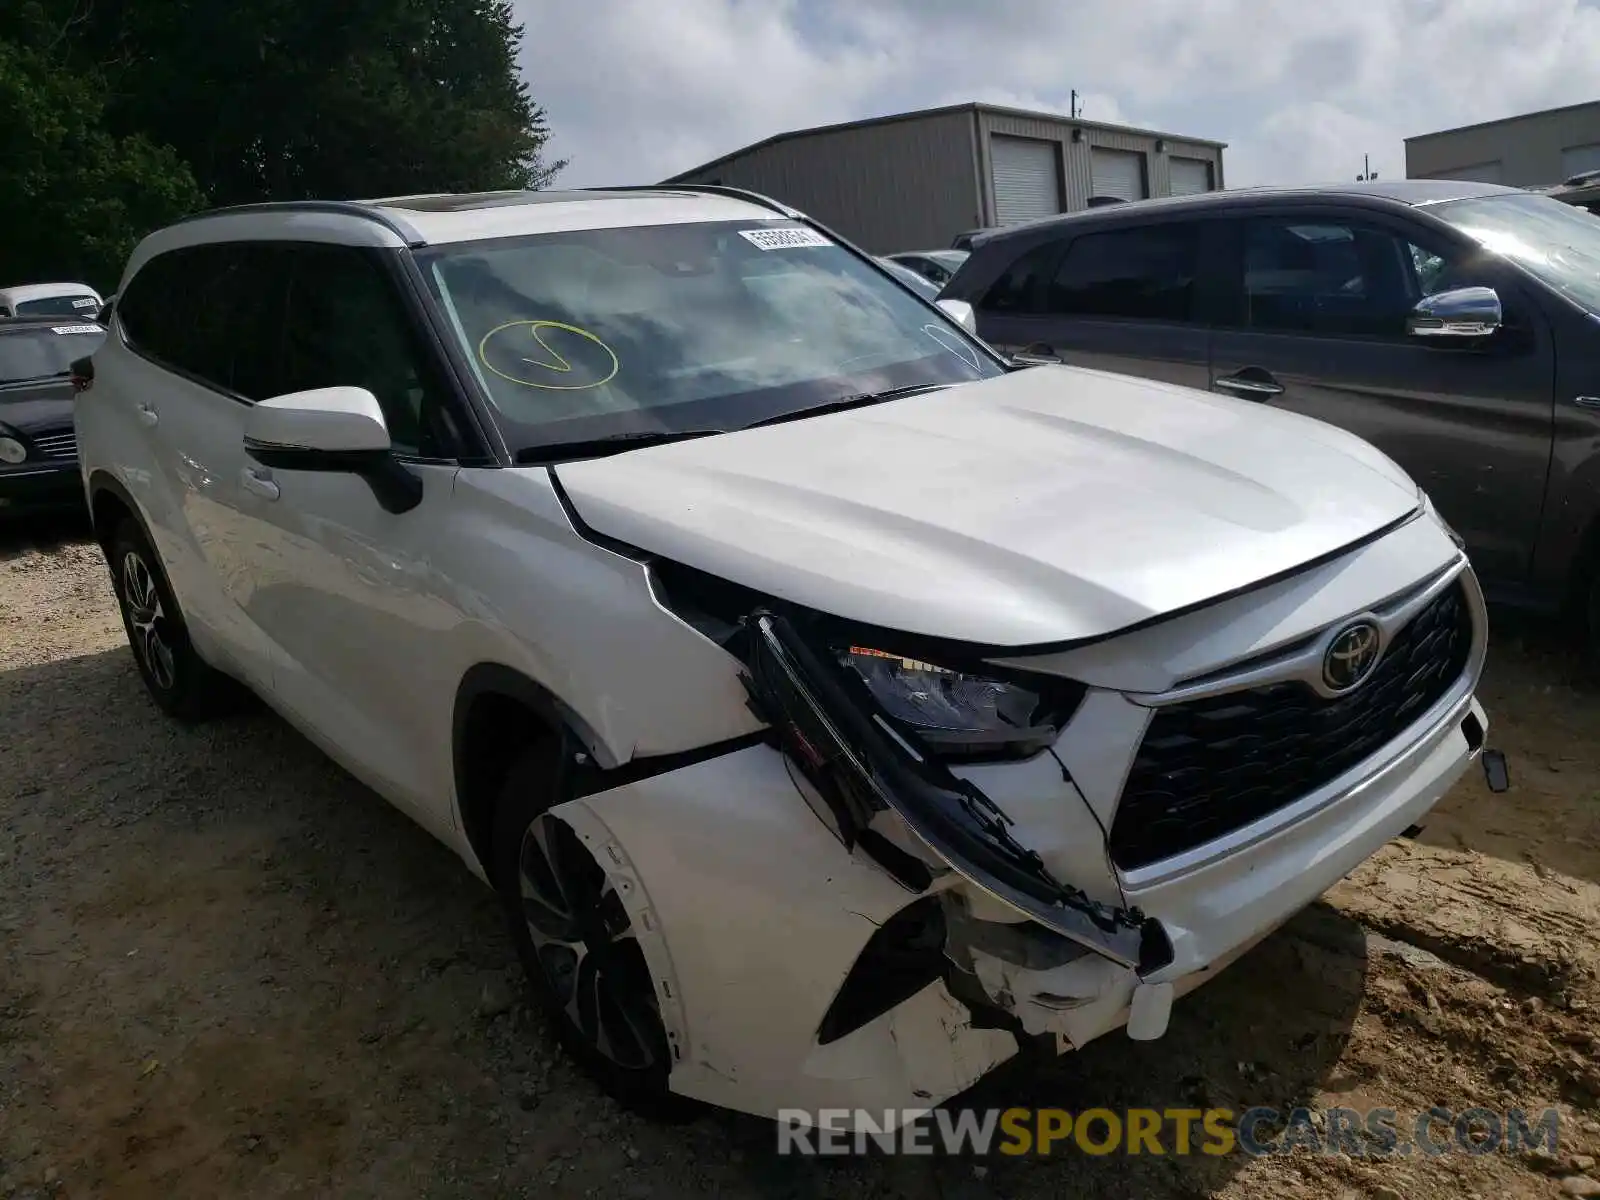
<point x="637" y="90"/>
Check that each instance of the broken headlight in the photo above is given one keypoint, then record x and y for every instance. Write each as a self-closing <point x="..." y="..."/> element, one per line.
<point x="959" y="715"/>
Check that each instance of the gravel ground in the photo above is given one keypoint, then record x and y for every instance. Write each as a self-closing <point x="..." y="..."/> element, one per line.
<point x="227" y="969"/>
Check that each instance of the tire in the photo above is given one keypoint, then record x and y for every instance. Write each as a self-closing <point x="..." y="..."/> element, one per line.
<point x="182" y="684"/>
<point x="585" y="971"/>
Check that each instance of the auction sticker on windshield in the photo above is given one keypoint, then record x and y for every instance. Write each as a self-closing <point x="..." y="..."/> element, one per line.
<point x="75" y="329"/>
<point x="793" y="237"/>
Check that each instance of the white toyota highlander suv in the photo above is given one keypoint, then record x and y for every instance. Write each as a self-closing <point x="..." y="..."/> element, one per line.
<point x="838" y="708"/>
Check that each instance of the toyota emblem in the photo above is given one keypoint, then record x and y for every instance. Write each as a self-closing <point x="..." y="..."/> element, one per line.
<point x="1351" y="656"/>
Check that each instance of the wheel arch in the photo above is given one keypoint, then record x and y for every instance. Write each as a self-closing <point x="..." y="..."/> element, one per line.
<point x="109" y="504"/>
<point x="497" y="709"/>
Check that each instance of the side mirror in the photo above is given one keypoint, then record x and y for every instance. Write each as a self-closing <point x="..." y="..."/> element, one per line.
<point x="1469" y="312"/>
<point x="338" y="429"/>
<point x="961" y="313"/>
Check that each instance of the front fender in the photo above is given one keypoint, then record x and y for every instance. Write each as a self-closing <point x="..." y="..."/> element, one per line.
<point x="751" y="914"/>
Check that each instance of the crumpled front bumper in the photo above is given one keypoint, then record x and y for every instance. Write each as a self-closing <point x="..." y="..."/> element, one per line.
<point x="786" y="893"/>
<point x="751" y="915"/>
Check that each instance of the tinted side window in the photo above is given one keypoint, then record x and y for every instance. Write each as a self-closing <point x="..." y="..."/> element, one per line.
<point x="214" y="312"/>
<point x="1333" y="276"/>
<point x="348" y="328"/>
<point x="157" y="306"/>
<point x="1020" y="287"/>
<point x="1145" y="273"/>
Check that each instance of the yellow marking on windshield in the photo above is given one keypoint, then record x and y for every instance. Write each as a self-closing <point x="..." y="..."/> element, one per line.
<point x="549" y="358"/>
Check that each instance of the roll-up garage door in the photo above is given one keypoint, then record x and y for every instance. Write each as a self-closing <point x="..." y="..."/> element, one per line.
<point x="1188" y="176"/>
<point x="1118" y="173"/>
<point x="1027" y="183"/>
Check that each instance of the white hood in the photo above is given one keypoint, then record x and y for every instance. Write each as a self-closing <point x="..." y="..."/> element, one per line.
<point x="1047" y="505"/>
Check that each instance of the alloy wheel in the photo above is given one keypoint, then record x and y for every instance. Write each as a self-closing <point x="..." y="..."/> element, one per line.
<point x="584" y="942"/>
<point x="147" y="621"/>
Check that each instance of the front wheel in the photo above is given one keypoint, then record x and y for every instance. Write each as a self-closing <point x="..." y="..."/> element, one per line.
<point x="584" y="965"/>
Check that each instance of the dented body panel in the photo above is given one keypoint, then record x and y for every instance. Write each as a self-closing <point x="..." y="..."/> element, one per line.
<point x="764" y="913"/>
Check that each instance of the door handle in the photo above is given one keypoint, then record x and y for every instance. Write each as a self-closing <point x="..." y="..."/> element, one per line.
<point x="148" y="415"/>
<point x="1254" y="389"/>
<point x="259" y="483"/>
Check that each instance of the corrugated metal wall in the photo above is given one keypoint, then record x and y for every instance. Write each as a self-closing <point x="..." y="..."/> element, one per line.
<point x="900" y="185"/>
<point x="1078" y="184"/>
<point x="1524" y="151"/>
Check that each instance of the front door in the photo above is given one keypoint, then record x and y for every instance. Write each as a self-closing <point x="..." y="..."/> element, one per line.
<point x="200" y="341"/>
<point x="358" y="621"/>
<point x="1317" y="325"/>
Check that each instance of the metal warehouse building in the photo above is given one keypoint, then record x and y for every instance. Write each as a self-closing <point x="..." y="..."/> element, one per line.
<point x="914" y="180"/>
<point x="1533" y="150"/>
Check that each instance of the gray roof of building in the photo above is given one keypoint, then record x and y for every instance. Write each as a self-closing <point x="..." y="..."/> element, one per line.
<point x="1543" y="112"/>
<point x="944" y="110"/>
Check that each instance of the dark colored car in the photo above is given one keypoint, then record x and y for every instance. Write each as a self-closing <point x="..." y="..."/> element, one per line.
<point x="1454" y="325"/>
<point x="38" y="448"/>
<point x="1582" y="191"/>
<point x="936" y="266"/>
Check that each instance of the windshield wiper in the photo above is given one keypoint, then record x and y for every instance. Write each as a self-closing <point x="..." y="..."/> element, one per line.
<point x="611" y="443"/>
<point x="845" y="403"/>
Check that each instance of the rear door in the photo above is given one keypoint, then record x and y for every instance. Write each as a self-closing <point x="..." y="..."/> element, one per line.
<point x="1316" y="323"/>
<point x="199" y="329"/>
<point x="1128" y="298"/>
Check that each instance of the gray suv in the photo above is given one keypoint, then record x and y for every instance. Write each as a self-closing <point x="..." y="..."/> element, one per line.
<point x="1454" y="325"/>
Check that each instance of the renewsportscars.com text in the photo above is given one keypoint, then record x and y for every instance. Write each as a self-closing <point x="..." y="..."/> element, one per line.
<point x="1258" y="1131"/>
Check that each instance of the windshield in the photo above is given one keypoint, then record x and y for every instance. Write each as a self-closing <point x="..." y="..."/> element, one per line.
<point x="1556" y="242"/>
<point x="951" y="260"/>
<point x="59" y="306"/>
<point x="713" y="326"/>
<point x="45" y="352"/>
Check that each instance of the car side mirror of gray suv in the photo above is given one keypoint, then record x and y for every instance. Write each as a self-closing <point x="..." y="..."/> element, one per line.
<point x="331" y="429"/>
<point x="1469" y="312"/>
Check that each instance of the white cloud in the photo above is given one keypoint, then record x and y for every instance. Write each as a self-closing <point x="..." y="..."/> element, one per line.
<point x="638" y="91"/>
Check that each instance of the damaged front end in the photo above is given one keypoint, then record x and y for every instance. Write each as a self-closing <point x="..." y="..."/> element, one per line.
<point x="873" y="735"/>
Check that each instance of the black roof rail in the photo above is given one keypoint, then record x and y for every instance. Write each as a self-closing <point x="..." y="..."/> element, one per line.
<point x="712" y="189"/>
<point x="345" y="208"/>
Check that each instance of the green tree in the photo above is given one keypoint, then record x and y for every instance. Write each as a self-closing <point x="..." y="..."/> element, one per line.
<point x="287" y="99"/>
<point x="74" y="197"/>
<point x="117" y="116"/>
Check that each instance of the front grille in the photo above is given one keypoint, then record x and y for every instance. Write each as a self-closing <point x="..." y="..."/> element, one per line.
<point x="62" y="444"/>
<point x="1207" y="767"/>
